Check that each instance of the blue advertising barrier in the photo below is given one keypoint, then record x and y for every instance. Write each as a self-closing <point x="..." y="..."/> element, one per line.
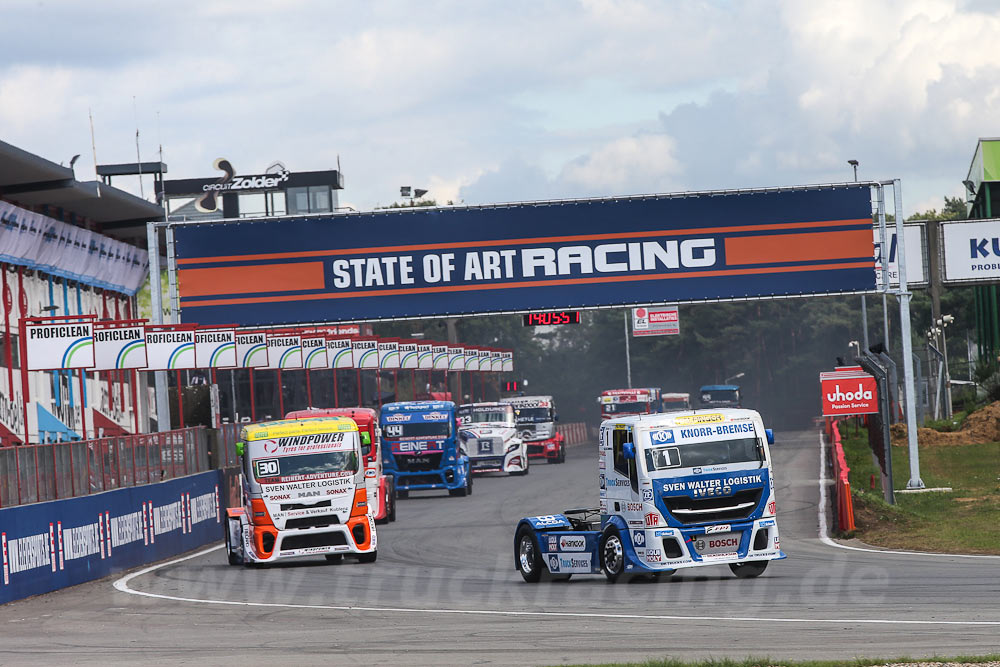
<point x="510" y="258"/>
<point x="47" y="546"/>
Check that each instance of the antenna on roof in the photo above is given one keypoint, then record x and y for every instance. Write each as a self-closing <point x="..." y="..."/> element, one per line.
<point x="137" y="158"/>
<point x="93" y="146"/>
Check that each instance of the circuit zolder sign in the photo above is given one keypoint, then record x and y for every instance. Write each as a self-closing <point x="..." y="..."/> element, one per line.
<point x="561" y="254"/>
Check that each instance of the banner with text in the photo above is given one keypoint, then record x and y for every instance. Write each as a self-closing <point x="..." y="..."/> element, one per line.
<point x="59" y="345"/>
<point x="560" y="254"/>
<point x="118" y="347"/>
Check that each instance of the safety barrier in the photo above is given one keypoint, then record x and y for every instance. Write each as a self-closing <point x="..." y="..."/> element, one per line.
<point x="574" y="434"/>
<point x="51" y="545"/>
<point x="38" y="473"/>
<point x="842" y="486"/>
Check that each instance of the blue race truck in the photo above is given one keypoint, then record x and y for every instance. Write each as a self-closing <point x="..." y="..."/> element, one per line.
<point x="677" y="490"/>
<point x="421" y="448"/>
<point x="721" y="396"/>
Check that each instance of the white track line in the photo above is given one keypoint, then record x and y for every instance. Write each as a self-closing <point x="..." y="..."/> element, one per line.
<point x="122" y="585"/>
<point x="824" y="537"/>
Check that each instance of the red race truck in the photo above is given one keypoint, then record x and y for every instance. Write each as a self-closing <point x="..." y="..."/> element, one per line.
<point x="381" y="487"/>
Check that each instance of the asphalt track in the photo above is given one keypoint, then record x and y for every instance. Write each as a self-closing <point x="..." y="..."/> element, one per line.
<point x="444" y="591"/>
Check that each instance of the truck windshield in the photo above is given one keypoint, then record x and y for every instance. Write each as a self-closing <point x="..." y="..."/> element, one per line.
<point x="305" y="465"/>
<point x="534" y="415"/>
<point x="627" y="408"/>
<point x="484" y="415"/>
<point x="721" y="396"/>
<point x="671" y="405"/>
<point x="417" y="430"/>
<point x="719" y="452"/>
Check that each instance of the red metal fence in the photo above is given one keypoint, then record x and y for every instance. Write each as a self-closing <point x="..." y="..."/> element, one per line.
<point x="574" y="434"/>
<point x="842" y="486"/>
<point x="36" y="473"/>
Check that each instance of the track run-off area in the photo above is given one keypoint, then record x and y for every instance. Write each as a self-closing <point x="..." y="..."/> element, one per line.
<point x="444" y="591"/>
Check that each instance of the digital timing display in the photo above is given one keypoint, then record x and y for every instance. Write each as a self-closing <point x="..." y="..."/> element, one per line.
<point x="550" y="317"/>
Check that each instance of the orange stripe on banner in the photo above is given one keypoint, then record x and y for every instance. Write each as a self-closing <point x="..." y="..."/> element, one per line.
<point x="812" y="247"/>
<point x="522" y="241"/>
<point x="251" y="279"/>
<point x="534" y="283"/>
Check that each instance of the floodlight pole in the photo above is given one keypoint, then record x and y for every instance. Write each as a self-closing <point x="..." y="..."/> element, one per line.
<point x="156" y="304"/>
<point x="904" y="324"/>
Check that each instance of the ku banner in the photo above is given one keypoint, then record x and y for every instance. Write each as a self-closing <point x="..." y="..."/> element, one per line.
<point x="562" y="254"/>
<point x="215" y="348"/>
<point x="251" y="349"/>
<point x="913" y="241"/>
<point x="407" y="355"/>
<point x="971" y="250"/>
<point x="59" y="345"/>
<point x="339" y="353"/>
<point x="118" y="347"/>
<point x="425" y="356"/>
<point x="314" y="351"/>
<point x="284" y="351"/>
<point x="169" y="348"/>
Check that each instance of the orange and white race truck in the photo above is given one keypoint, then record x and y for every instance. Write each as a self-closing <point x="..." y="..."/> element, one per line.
<point x="304" y="493"/>
<point x="381" y="487"/>
<point x="625" y="402"/>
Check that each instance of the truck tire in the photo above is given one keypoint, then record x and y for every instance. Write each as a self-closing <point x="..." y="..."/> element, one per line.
<point x="390" y="511"/>
<point x="402" y="493"/>
<point x="562" y="454"/>
<point x="612" y="554"/>
<point x="233" y="553"/>
<point x="748" y="570"/>
<point x="368" y="558"/>
<point x="527" y="558"/>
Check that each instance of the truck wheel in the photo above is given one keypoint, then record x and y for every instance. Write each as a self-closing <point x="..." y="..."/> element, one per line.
<point x="562" y="454"/>
<point x="526" y="556"/>
<point x="612" y="554"/>
<point x="748" y="570"/>
<point x="334" y="558"/>
<point x="368" y="558"/>
<point x="390" y="499"/>
<point x="234" y="553"/>
<point x="402" y="493"/>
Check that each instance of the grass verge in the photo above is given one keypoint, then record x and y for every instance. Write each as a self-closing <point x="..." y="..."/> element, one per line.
<point x="962" y="521"/>
<point x="767" y="662"/>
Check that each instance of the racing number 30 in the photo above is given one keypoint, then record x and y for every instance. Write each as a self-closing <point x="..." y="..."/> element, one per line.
<point x="265" y="467"/>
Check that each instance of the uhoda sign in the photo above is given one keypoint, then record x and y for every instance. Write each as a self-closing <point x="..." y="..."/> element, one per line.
<point x="848" y="393"/>
<point x="560" y="254"/>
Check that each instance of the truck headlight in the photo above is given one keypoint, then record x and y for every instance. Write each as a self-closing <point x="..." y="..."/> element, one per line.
<point x="513" y="447"/>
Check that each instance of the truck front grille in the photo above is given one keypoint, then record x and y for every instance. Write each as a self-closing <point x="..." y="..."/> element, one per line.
<point x="313" y="540"/>
<point x="418" y="462"/>
<point x="690" y="510"/>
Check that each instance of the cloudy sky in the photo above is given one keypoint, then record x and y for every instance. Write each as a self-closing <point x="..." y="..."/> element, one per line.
<point x="482" y="102"/>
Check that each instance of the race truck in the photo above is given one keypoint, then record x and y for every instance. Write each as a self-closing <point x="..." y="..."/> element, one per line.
<point x="422" y="448"/>
<point x="721" y="396"/>
<point x="381" y="487"/>
<point x="624" y="402"/>
<point x="304" y="493"/>
<point x="489" y="434"/>
<point x="677" y="490"/>
<point x="536" y="424"/>
<point x="672" y="402"/>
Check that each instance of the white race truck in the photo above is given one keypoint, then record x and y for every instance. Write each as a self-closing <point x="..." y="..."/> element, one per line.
<point x="536" y="424"/>
<point x="304" y="493"/>
<point x="677" y="490"/>
<point x="489" y="435"/>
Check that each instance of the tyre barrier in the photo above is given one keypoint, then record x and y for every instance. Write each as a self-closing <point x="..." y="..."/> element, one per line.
<point x="574" y="433"/>
<point x="52" y="545"/>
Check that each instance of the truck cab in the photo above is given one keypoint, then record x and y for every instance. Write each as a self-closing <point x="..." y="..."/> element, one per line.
<point x="536" y="419"/>
<point x="721" y="396"/>
<point x="624" y="402"/>
<point x="422" y="448"/>
<point x="676" y="490"/>
<point x="381" y="487"/>
<point x="674" y="401"/>
<point x="489" y="434"/>
<point x="304" y="493"/>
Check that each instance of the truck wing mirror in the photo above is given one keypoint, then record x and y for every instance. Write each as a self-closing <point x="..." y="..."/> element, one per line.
<point x="556" y="417"/>
<point x="628" y="450"/>
<point x="770" y="436"/>
<point x="240" y="448"/>
<point x="366" y="438"/>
